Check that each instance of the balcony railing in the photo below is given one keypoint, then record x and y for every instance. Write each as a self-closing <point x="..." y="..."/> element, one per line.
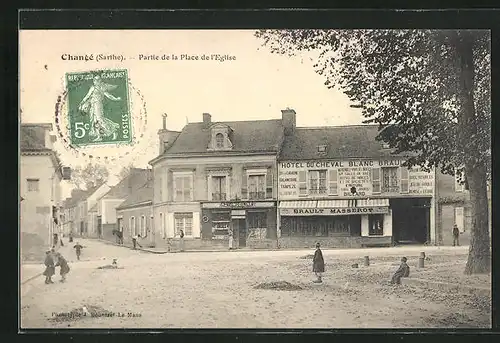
<point x="218" y="196"/>
<point x="390" y="189"/>
<point x="316" y="191"/>
<point x="256" y="195"/>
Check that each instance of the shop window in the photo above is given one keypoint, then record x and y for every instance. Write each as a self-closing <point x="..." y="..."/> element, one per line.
<point x="390" y="180"/>
<point x="220" y="224"/>
<point x="33" y="185"/>
<point x="376" y="224"/>
<point x="183" y="187"/>
<point x="257" y="225"/>
<point x="184" y="222"/>
<point x="314" y="226"/>
<point x="317" y="182"/>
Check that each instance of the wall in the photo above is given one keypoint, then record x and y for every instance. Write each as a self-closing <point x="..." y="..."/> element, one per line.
<point x="98" y="194"/>
<point x="136" y="212"/>
<point x="109" y="210"/>
<point x="35" y="209"/>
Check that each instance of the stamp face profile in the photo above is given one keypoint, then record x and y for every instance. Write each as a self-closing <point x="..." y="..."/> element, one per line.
<point x="98" y="107"/>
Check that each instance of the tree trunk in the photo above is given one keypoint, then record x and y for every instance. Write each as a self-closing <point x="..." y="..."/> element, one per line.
<point x="479" y="260"/>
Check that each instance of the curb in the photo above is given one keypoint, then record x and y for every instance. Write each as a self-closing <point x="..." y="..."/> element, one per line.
<point x="446" y="286"/>
<point x="31" y="278"/>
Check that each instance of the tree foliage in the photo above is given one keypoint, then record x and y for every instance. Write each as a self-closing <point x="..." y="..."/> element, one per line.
<point x="125" y="171"/>
<point x="429" y="91"/>
<point x="88" y="176"/>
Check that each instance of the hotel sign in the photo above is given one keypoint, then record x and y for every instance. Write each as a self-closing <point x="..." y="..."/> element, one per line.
<point x="333" y="211"/>
<point x="238" y="204"/>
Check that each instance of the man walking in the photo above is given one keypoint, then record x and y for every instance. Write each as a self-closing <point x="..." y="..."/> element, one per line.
<point x="456" y="235"/>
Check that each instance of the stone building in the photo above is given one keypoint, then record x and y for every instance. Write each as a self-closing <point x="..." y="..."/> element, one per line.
<point x="214" y="179"/>
<point x="343" y="188"/>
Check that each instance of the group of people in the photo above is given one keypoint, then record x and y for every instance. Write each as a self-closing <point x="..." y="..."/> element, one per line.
<point x="55" y="259"/>
<point x="319" y="267"/>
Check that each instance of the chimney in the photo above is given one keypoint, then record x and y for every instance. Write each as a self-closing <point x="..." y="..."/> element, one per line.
<point x="164" y="121"/>
<point x="207" y="119"/>
<point x="289" y="119"/>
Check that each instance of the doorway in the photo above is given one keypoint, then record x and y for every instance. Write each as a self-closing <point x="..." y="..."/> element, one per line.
<point x="411" y="220"/>
<point x="239" y="225"/>
<point x="99" y="226"/>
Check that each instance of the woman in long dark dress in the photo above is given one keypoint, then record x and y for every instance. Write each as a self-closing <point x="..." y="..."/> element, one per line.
<point x="50" y="269"/>
<point x="318" y="264"/>
<point x="61" y="262"/>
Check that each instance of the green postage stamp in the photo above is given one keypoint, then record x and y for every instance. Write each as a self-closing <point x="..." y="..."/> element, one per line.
<point x="99" y="107"/>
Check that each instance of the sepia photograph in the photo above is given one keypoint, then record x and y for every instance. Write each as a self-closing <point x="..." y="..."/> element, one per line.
<point x="263" y="178"/>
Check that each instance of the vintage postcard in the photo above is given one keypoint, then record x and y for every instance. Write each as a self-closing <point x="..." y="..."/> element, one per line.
<point x="255" y="179"/>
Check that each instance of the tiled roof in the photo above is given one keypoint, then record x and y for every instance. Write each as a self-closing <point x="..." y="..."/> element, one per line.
<point x="140" y="196"/>
<point x="248" y="136"/>
<point x="78" y="195"/>
<point x="32" y="137"/>
<point x="135" y="180"/>
<point x="357" y="141"/>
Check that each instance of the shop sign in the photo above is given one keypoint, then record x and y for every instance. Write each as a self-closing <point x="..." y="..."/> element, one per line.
<point x="333" y="211"/>
<point x="238" y="204"/>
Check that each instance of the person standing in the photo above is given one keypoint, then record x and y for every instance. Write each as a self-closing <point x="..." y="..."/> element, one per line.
<point x="231" y="239"/>
<point x="318" y="264"/>
<point x="78" y="249"/>
<point x="456" y="235"/>
<point x="70" y="237"/>
<point x="61" y="262"/>
<point x="181" y="240"/>
<point x="135" y="242"/>
<point x="50" y="269"/>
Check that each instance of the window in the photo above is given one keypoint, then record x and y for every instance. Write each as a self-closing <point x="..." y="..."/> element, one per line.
<point x="315" y="226"/>
<point x="317" y="181"/>
<point x="183" y="221"/>
<point x="33" y="185"/>
<point x="332" y="182"/>
<point x="257" y="225"/>
<point x="322" y="149"/>
<point x="219" y="140"/>
<point x="143" y="226"/>
<point x="256" y="187"/>
<point x="302" y="183"/>
<point x="405" y="180"/>
<point x="162" y="226"/>
<point x="220" y="224"/>
<point x="219" y="188"/>
<point x="183" y="187"/>
<point x="376" y="224"/>
<point x="131" y="228"/>
<point x="390" y="180"/>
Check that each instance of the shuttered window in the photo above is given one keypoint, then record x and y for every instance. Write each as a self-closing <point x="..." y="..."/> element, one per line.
<point x="302" y="183"/>
<point x="376" y="180"/>
<point x="332" y="182"/>
<point x="269" y="184"/>
<point x="405" y="180"/>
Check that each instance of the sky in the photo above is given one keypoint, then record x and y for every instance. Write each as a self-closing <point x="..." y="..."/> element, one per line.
<point x="254" y="85"/>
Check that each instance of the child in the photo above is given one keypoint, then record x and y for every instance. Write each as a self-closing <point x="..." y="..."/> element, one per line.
<point x="50" y="269"/>
<point x="135" y="243"/>
<point x="78" y="248"/>
<point x="61" y="261"/>
<point x="318" y="264"/>
<point x="403" y="271"/>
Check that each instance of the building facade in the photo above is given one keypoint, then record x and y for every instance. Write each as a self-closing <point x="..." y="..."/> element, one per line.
<point x="339" y="186"/>
<point x="40" y="190"/>
<point x="216" y="180"/>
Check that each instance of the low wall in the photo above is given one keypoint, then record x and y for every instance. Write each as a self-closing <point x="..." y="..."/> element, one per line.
<point x="309" y="242"/>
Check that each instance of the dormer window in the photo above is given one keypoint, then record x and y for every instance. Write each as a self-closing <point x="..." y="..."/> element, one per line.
<point x="321" y="149"/>
<point x="386" y="146"/>
<point x="220" y="137"/>
<point x="219" y="141"/>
